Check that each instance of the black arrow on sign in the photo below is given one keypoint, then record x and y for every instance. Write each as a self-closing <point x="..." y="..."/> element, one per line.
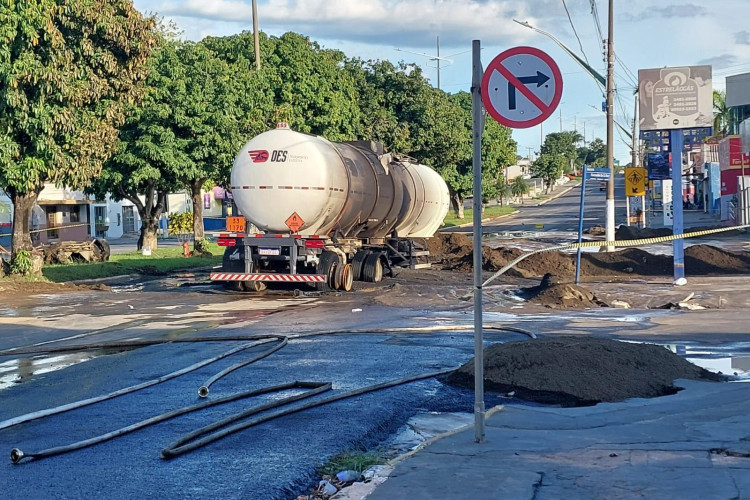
<point x="540" y="79"/>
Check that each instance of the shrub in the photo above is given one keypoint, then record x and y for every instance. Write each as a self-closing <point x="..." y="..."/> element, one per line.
<point x="22" y="263"/>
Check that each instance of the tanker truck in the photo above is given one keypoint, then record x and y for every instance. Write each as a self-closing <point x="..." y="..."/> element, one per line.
<point x="326" y="213"/>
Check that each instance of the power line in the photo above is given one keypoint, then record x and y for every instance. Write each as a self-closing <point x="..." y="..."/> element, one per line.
<point x="570" y="19"/>
<point x="597" y="25"/>
<point x="627" y="69"/>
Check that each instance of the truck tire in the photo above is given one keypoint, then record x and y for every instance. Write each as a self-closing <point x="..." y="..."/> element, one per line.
<point x="347" y="279"/>
<point x="357" y="262"/>
<point x="326" y="266"/>
<point x="338" y="275"/>
<point x="372" y="270"/>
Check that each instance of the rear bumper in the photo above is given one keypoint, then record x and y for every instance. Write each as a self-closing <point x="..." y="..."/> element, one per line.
<point x="269" y="277"/>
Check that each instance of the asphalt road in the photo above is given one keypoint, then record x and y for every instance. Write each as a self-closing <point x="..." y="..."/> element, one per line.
<point x="560" y="215"/>
<point x="275" y="460"/>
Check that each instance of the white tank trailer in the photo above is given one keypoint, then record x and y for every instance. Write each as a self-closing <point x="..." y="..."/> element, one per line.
<point x="327" y="213"/>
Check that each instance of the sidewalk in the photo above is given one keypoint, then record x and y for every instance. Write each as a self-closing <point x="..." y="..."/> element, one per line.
<point x="691" y="445"/>
<point x="691" y="218"/>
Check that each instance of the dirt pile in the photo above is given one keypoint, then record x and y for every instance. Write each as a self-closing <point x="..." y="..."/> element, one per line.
<point x="580" y="371"/>
<point x="555" y="294"/>
<point x="454" y="252"/>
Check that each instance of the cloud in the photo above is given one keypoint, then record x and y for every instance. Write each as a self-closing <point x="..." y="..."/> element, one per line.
<point x="667" y="12"/>
<point x="719" y="62"/>
<point x="742" y="37"/>
<point x="413" y="23"/>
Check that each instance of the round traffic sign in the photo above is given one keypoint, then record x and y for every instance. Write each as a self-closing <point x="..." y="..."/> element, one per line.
<point x="521" y="87"/>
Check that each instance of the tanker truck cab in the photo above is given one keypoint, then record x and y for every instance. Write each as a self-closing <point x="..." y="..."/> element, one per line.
<point x="326" y="214"/>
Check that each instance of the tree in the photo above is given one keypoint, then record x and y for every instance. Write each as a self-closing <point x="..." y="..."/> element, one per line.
<point x="721" y="113"/>
<point x="67" y="71"/>
<point x="549" y="167"/>
<point x="519" y="187"/>
<point x="562" y="143"/>
<point x="595" y="154"/>
<point x="150" y="152"/>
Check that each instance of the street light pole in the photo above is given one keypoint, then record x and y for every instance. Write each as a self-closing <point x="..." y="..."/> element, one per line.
<point x="255" y="34"/>
<point x="610" y="213"/>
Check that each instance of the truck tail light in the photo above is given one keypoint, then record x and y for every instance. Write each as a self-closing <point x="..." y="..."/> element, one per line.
<point x="226" y="242"/>
<point x="315" y="243"/>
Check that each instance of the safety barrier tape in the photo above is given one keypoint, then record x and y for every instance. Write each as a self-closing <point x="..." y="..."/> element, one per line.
<point x="614" y="243"/>
<point x="55" y="228"/>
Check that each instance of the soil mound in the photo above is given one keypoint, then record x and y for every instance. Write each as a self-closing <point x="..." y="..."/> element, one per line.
<point x="453" y="251"/>
<point x="552" y="293"/>
<point x="637" y="233"/>
<point x="580" y="371"/>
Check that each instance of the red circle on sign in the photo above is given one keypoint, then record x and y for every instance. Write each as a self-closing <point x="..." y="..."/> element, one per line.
<point x="546" y="110"/>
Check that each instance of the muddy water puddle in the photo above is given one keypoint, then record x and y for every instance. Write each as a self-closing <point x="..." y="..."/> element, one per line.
<point x="16" y="371"/>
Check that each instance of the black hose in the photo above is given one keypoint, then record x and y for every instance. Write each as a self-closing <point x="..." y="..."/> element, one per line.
<point x="131" y="344"/>
<point x="186" y="443"/>
<point x="16" y="455"/>
<point x="127" y="390"/>
<point x="203" y="390"/>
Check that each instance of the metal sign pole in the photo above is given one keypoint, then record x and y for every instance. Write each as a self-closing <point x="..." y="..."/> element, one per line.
<point x="678" y="247"/>
<point x="580" y="224"/>
<point x="476" y="106"/>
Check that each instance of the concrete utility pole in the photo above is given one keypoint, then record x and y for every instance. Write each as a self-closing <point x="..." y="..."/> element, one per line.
<point x="255" y="34"/>
<point x="477" y="128"/>
<point x="438" y="62"/>
<point x="610" y="227"/>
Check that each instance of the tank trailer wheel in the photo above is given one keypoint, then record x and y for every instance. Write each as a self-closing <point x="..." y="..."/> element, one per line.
<point x="326" y="265"/>
<point x="372" y="270"/>
<point x="358" y="263"/>
<point x="337" y="275"/>
<point x="347" y="279"/>
<point x="254" y="286"/>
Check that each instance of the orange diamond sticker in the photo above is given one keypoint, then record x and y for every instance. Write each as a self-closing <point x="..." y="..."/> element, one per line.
<point x="294" y="222"/>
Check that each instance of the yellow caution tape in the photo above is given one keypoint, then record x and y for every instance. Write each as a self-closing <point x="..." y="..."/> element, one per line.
<point x="622" y="243"/>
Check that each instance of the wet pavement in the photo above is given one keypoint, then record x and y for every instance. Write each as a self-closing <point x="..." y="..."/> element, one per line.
<point x="278" y="459"/>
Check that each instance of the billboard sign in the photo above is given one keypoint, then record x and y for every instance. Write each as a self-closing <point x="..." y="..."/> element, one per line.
<point x="745" y="135"/>
<point x="675" y="98"/>
<point x="730" y="153"/>
<point x="658" y="166"/>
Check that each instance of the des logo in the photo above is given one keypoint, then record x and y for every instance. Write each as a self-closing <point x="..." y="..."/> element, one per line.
<point x="259" y="155"/>
<point x="278" y="155"/>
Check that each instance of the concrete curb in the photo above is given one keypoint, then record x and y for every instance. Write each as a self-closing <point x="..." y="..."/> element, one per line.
<point x="555" y="196"/>
<point x="444" y="435"/>
<point x="135" y="275"/>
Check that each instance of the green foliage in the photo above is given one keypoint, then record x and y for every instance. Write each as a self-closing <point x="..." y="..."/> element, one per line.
<point x="721" y="113"/>
<point x="519" y="187"/>
<point x="595" y="154"/>
<point x="549" y="167"/>
<point x="202" y="245"/>
<point x="160" y="261"/>
<point x="358" y="461"/>
<point x="181" y="223"/>
<point x="67" y="70"/>
<point x="561" y="143"/>
<point x="22" y="263"/>
<point x="487" y="213"/>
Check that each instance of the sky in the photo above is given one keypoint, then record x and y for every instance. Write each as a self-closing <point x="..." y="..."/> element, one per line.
<point x="668" y="34"/>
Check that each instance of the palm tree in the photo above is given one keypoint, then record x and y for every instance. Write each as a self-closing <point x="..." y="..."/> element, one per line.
<point x="504" y="192"/>
<point x="519" y="187"/>
<point x="721" y="113"/>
